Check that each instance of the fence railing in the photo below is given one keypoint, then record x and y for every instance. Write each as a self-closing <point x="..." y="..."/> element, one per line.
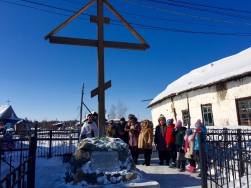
<point x="22" y="176"/>
<point x="49" y="143"/>
<point x="225" y="158"/>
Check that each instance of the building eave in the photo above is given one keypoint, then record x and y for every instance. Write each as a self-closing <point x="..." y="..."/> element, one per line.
<point x="235" y="77"/>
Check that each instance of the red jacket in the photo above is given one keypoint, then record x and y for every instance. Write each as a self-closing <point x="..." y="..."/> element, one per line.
<point x="169" y="136"/>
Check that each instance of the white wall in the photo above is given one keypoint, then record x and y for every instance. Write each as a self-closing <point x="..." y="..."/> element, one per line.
<point x="223" y="103"/>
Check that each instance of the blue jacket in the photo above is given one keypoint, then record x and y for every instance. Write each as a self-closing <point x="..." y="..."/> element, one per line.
<point x="196" y="143"/>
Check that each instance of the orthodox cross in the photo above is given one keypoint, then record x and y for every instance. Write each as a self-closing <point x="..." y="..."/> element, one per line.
<point x="8" y="101"/>
<point x="100" y="44"/>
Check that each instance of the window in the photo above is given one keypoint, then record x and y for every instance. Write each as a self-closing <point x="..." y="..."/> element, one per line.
<point x="244" y="111"/>
<point x="207" y="114"/>
<point x="185" y="117"/>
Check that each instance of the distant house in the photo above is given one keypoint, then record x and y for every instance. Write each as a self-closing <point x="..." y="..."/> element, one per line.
<point x="7" y="115"/>
<point x="218" y="93"/>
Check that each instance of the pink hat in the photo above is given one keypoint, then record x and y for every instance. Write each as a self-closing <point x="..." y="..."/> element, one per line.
<point x="178" y="124"/>
<point x="198" y="123"/>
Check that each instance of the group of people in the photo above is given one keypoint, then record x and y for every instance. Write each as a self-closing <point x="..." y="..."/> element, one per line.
<point x="173" y="141"/>
<point x="137" y="135"/>
<point x="177" y="143"/>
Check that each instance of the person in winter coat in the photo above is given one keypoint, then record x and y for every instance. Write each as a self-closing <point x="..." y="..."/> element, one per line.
<point x="145" y="141"/>
<point x="110" y="129"/>
<point x="170" y="142"/>
<point x="159" y="140"/>
<point x="89" y="128"/>
<point x="133" y="129"/>
<point x="189" y="150"/>
<point x="179" y="132"/>
<point x="120" y="130"/>
<point x="199" y="128"/>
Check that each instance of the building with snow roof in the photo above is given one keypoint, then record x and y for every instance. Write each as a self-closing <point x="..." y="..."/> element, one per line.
<point x="7" y="115"/>
<point x="218" y="93"/>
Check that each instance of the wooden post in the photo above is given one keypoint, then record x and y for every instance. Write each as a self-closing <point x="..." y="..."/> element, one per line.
<point x="81" y="106"/>
<point x="101" y="70"/>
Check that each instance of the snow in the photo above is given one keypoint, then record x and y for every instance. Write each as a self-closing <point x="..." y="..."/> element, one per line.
<point x="3" y="108"/>
<point x="223" y="69"/>
<point x="245" y="182"/>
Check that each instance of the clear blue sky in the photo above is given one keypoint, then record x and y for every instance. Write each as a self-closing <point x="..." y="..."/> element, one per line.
<point x="43" y="81"/>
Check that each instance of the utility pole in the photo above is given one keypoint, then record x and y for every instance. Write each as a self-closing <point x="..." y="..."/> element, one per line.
<point x="81" y="106"/>
<point x="100" y="44"/>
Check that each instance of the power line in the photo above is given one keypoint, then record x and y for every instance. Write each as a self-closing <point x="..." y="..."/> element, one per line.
<point x="38" y="9"/>
<point x="168" y="20"/>
<point x="184" y="14"/>
<point x="200" y="9"/>
<point x="209" y="6"/>
<point x="146" y="26"/>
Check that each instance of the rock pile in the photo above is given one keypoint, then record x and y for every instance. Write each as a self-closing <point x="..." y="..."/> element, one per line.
<point x="100" y="161"/>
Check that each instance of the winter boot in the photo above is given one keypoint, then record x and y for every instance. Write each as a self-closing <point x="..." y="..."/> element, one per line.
<point x="183" y="166"/>
<point x="172" y="165"/>
<point x="189" y="169"/>
<point x="193" y="170"/>
<point x="148" y="161"/>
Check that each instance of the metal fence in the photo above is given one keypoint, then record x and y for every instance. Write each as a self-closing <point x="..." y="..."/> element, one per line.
<point x="225" y="158"/>
<point x="22" y="176"/>
<point x="56" y="143"/>
<point x="49" y="143"/>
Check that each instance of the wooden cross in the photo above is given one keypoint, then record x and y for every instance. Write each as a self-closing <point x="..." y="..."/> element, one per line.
<point x="100" y="44"/>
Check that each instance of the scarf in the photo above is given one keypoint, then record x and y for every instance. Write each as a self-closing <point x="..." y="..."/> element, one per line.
<point x="186" y="144"/>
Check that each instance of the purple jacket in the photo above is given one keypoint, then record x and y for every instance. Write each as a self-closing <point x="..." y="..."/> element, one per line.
<point x="133" y="134"/>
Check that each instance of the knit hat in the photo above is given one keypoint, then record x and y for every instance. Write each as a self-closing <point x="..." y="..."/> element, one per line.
<point x="131" y="116"/>
<point x="169" y="121"/>
<point x="111" y="121"/>
<point x="198" y="123"/>
<point x="189" y="131"/>
<point x="178" y="124"/>
<point x="122" y="119"/>
<point x="161" y="116"/>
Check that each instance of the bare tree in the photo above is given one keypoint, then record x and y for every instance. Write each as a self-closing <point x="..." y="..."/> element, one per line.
<point x="118" y="111"/>
<point x="112" y="114"/>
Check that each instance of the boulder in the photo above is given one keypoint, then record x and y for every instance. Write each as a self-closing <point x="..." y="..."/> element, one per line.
<point x="100" y="161"/>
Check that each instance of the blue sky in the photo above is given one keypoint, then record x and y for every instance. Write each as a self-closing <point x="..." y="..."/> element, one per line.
<point x="43" y="81"/>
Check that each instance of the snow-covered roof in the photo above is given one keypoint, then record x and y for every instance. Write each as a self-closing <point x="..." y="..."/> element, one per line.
<point x="222" y="70"/>
<point x="3" y="108"/>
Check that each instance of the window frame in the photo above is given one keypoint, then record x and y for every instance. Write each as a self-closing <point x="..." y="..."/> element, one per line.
<point x="237" y="108"/>
<point x="187" y="111"/>
<point x="202" y="113"/>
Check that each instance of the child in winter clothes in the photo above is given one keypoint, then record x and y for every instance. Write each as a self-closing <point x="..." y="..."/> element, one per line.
<point x="145" y="141"/>
<point x="170" y="142"/>
<point x="199" y="128"/>
<point x="189" y="150"/>
<point x="179" y="132"/>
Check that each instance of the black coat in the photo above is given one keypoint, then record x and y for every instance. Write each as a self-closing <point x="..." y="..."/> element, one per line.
<point x="159" y="139"/>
